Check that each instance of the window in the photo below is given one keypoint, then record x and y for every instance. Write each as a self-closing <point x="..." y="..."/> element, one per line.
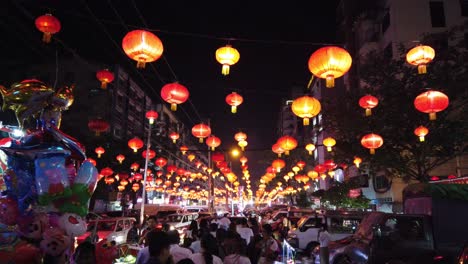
<point x="464" y="8"/>
<point x="405" y="228"/>
<point x="437" y="13"/>
<point x="381" y="182"/>
<point x="385" y="22"/>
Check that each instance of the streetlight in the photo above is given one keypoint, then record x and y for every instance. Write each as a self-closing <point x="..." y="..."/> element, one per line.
<point x="151" y="115"/>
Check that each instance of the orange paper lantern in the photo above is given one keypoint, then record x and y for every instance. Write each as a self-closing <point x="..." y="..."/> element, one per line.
<point x="49" y="25"/>
<point x="329" y="63"/>
<point x="135" y="144"/>
<point x="278" y="164"/>
<point x="372" y="142"/>
<point x="420" y="56"/>
<point x="431" y="102"/>
<point x="142" y="46"/>
<point x="368" y="102"/>
<point x="421" y="132"/>
<point x="227" y="56"/>
<point x="310" y="148"/>
<point x="174" y="93"/>
<point x="329" y="142"/>
<point x="287" y="143"/>
<point x="240" y="136"/>
<point x="306" y="107"/>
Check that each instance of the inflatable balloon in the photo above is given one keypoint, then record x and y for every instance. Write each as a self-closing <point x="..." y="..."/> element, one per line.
<point x="106" y="252"/>
<point x="55" y="242"/>
<point x="52" y="178"/>
<point x="9" y="211"/>
<point x="33" y="225"/>
<point x="19" y="180"/>
<point x="21" y="252"/>
<point x="74" y="225"/>
<point x="87" y="174"/>
<point x="8" y="237"/>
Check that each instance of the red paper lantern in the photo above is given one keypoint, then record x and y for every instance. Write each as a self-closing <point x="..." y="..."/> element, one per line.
<point x="329" y="63"/>
<point x="306" y="107"/>
<point x="234" y="100"/>
<point x="98" y="126"/>
<point x="107" y="172"/>
<point x="240" y="136"/>
<point x="174" y="136"/>
<point x="47" y="24"/>
<point x="372" y="142"/>
<point x="368" y="102"/>
<point x="431" y="102"/>
<point x="421" y="132"/>
<point x="420" y="56"/>
<point x="99" y="151"/>
<point x="160" y="162"/>
<point x="201" y="131"/>
<point x="151" y="115"/>
<point x="120" y="158"/>
<point x="171" y="168"/>
<point x="135" y="187"/>
<point x="243" y="160"/>
<point x="301" y="164"/>
<point x="105" y="77"/>
<point x="217" y="157"/>
<point x="287" y="143"/>
<point x="142" y="46"/>
<point x="151" y="154"/>
<point x="180" y="171"/>
<point x="329" y="164"/>
<point x="135" y="166"/>
<point x="109" y="180"/>
<point x="174" y="93"/>
<point x="213" y="142"/>
<point x="183" y="149"/>
<point x="135" y="144"/>
<point x="276" y="148"/>
<point x="92" y="161"/>
<point x="138" y="177"/>
<point x="278" y="164"/>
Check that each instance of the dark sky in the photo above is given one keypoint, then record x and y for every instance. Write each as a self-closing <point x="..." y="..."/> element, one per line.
<point x="275" y="41"/>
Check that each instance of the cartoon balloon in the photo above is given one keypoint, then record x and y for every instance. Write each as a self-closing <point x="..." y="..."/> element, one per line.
<point x="87" y="174"/>
<point x="55" y="242"/>
<point x="19" y="180"/>
<point x="52" y="178"/>
<point x="33" y="225"/>
<point x="21" y="252"/>
<point x="74" y="225"/>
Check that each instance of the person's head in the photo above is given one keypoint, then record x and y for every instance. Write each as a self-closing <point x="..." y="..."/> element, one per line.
<point x="232" y="227"/>
<point x="213" y="227"/>
<point x="267" y="231"/>
<point x="226" y="214"/>
<point x="243" y="222"/>
<point x="232" y="246"/>
<point x="185" y="261"/>
<point x="174" y="237"/>
<point x="209" y="244"/>
<point x="221" y="235"/>
<point x="193" y="225"/>
<point x="158" y="245"/>
<point x="253" y="222"/>
<point x="151" y="222"/>
<point x="85" y="253"/>
<point x="203" y="223"/>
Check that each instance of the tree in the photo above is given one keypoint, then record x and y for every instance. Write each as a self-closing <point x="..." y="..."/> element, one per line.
<point x="396" y="84"/>
<point x="338" y="195"/>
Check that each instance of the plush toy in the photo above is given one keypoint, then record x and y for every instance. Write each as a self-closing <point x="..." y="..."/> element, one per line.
<point x="73" y="224"/>
<point x="55" y="242"/>
<point x="33" y="225"/>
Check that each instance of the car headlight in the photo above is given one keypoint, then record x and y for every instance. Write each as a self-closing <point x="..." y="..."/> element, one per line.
<point x="171" y="227"/>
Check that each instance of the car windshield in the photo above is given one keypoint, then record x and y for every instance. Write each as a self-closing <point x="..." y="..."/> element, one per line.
<point x="174" y="218"/>
<point x="102" y="225"/>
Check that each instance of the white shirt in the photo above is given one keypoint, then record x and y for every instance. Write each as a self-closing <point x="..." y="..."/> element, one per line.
<point x="246" y="233"/>
<point x="195" y="246"/>
<point x="236" y="259"/>
<point x="324" y="238"/>
<point x="198" y="258"/>
<point x="224" y="223"/>
<point x="178" y="253"/>
<point x="143" y="256"/>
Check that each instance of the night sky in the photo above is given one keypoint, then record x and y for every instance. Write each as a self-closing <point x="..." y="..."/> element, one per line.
<point x="275" y="41"/>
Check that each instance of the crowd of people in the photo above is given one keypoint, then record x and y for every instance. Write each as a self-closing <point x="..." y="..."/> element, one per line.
<point x="212" y="242"/>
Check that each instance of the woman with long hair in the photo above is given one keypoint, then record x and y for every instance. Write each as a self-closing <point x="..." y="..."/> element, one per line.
<point x="209" y="251"/>
<point x="234" y="247"/>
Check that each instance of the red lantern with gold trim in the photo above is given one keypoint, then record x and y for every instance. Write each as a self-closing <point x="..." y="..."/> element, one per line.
<point x="98" y="125"/>
<point x="105" y="76"/>
<point x="201" y="131"/>
<point x="99" y="151"/>
<point x="135" y="144"/>
<point x="368" y="102"/>
<point x="431" y="102"/>
<point x="120" y="158"/>
<point x="174" y="136"/>
<point x="372" y="141"/>
<point x="234" y="100"/>
<point x="151" y="115"/>
<point x="421" y="132"/>
<point x="142" y="46"/>
<point x="151" y="154"/>
<point x="227" y="56"/>
<point x="213" y="142"/>
<point x="420" y="56"/>
<point x="160" y="162"/>
<point x="174" y="93"/>
<point x="287" y="143"/>
<point x="306" y="107"/>
<point x="49" y="25"/>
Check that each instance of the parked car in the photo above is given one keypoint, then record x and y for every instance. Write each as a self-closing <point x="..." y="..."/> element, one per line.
<point x="112" y="228"/>
<point x="432" y="230"/>
<point x="340" y="224"/>
<point x="180" y="222"/>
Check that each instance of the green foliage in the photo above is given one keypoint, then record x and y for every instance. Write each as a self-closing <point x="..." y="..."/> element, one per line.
<point x="338" y="195"/>
<point x="396" y="83"/>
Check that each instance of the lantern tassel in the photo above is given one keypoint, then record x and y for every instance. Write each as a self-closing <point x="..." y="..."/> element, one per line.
<point x="200" y="140"/>
<point x="103" y="85"/>
<point x="329" y="149"/>
<point x="286" y="152"/>
<point x="233" y="109"/>
<point x="225" y="69"/>
<point x="421" y="138"/>
<point x="46" y="37"/>
<point x="98" y="133"/>
<point x="368" y="112"/>
<point x="432" y="116"/>
<point x="173" y="107"/>
<point x="141" y="65"/>
<point x="422" y="69"/>
<point x="372" y="151"/>
<point x="306" y="121"/>
<point x="174" y="141"/>
<point x="330" y="81"/>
